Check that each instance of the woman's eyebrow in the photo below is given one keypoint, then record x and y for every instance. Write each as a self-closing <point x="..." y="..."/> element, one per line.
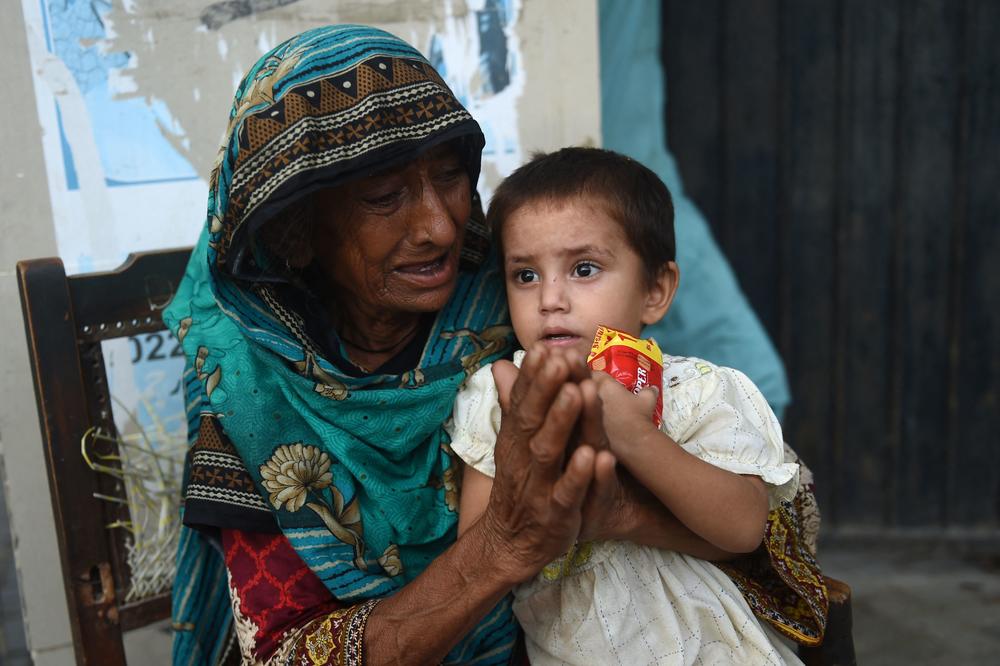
<point x="438" y="150"/>
<point x="442" y="152"/>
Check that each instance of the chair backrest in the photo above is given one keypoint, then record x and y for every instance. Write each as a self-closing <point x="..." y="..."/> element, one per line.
<point x="66" y="321"/>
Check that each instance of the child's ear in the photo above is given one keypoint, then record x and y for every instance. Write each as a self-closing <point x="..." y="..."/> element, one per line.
<point x="660" y="294"/>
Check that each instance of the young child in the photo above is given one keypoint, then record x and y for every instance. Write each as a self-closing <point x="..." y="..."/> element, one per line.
<point x="587" y="239"/>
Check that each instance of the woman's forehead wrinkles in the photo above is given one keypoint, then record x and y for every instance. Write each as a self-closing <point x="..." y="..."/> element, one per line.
<point x="445" y="151"/>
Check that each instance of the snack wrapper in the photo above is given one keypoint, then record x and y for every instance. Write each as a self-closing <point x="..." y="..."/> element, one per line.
<point x="635" y="363"/>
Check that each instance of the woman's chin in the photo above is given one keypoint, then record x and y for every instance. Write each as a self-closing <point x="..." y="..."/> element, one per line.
<point x="406" y="298"/>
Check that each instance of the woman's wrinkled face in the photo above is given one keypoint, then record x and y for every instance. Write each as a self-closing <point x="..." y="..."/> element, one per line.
<point x="390" y="242"/>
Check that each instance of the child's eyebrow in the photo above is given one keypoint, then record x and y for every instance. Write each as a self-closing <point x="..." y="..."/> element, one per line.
<point x="573" y="251"/>
<point x="587" y="249"/>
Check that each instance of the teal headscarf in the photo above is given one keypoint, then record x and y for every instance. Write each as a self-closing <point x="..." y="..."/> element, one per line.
<point x="356" y="472"/>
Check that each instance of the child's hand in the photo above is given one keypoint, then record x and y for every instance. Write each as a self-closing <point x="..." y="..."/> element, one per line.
<point x="627" y="417"/>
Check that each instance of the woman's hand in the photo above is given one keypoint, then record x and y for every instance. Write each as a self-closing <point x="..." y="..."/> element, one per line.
<point x="535" y="509"/>
<point x="532" y="517"/>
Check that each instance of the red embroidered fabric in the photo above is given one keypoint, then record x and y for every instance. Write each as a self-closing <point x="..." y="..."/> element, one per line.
<point x="289" y="610"/>
<point x="277" y="592"/>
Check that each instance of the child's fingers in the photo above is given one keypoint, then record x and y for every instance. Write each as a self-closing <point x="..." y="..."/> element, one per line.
<point x="609" y="390"/>
<point x="647" y="399"/>
<point x="612" y="393"/>
<point x="600" y="377"/>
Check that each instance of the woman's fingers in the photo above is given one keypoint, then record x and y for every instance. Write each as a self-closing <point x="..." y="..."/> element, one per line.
<point x="604" y="489"/>
<point x="535" y="505"/>
<point x="605" y="479"/>
<point x="570" y="490"/>
<point x="504" y="375"/>
<point x="541" y="377"/>
<point x="600" y="506"/>
<point x="548" y="443"/>
<point x="592" y="417"/>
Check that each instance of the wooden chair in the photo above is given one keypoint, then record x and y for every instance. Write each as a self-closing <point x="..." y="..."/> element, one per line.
<point x="66" y="319"/>
<point x="837" y="648"/>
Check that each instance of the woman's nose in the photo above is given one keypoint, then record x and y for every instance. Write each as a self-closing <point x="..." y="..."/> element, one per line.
<point x="432" y="222"/>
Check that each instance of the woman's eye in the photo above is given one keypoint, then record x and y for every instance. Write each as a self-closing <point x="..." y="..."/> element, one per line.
<point x="585" y="269"/>
<point x="525" y="275"/>
<point x="449" y="173"/>
<point x="382" y="200"/>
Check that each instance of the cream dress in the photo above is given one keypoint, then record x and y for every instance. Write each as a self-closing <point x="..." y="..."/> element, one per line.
<point x="616" y="602"/>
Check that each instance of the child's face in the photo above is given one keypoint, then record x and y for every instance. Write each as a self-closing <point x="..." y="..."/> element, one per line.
<point x="569" y="268"/>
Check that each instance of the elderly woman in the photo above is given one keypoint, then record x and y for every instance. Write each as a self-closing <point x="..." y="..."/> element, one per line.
<point x="342" y="290"/>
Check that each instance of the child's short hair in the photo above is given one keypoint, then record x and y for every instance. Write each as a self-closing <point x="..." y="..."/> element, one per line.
<point x="633" y="195"/>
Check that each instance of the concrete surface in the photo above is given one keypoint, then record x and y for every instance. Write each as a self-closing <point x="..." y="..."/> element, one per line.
<point x="13" y="645"/>
<point x="149" y="646"/>
<point x="918" y="606"/>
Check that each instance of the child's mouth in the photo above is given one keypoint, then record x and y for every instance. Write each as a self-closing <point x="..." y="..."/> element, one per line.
<point x="560" y="339"/>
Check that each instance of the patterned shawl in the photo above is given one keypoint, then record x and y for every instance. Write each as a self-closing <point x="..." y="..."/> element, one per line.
<point x="356" y="472"/>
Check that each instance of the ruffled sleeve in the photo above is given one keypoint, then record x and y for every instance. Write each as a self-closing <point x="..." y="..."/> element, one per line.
<point x="719" y="415"/>
<point x="475" y="422"/>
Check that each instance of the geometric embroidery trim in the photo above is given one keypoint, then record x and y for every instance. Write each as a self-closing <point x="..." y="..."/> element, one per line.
<point x="245" y="500"/>
<point x="292" y="137"/>
<point x="217" y="473"/>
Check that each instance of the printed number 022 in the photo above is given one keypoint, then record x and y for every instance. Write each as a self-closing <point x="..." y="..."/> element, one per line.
<point x="149" y="347"/>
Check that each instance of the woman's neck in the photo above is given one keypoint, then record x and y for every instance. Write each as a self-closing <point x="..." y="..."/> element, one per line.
<point x="372" y="338"/>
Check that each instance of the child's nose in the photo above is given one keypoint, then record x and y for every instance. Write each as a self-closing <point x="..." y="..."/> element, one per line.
<point x="553" y="296"/>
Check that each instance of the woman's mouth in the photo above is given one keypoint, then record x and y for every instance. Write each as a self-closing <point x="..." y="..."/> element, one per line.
<point x="429" y="274"/>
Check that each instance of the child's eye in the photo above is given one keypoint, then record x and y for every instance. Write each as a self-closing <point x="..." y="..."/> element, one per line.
<point x="585" y="269"/>
<point x="525" y="275"/>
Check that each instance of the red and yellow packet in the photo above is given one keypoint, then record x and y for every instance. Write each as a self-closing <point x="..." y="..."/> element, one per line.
<point x="633" y="362"/>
